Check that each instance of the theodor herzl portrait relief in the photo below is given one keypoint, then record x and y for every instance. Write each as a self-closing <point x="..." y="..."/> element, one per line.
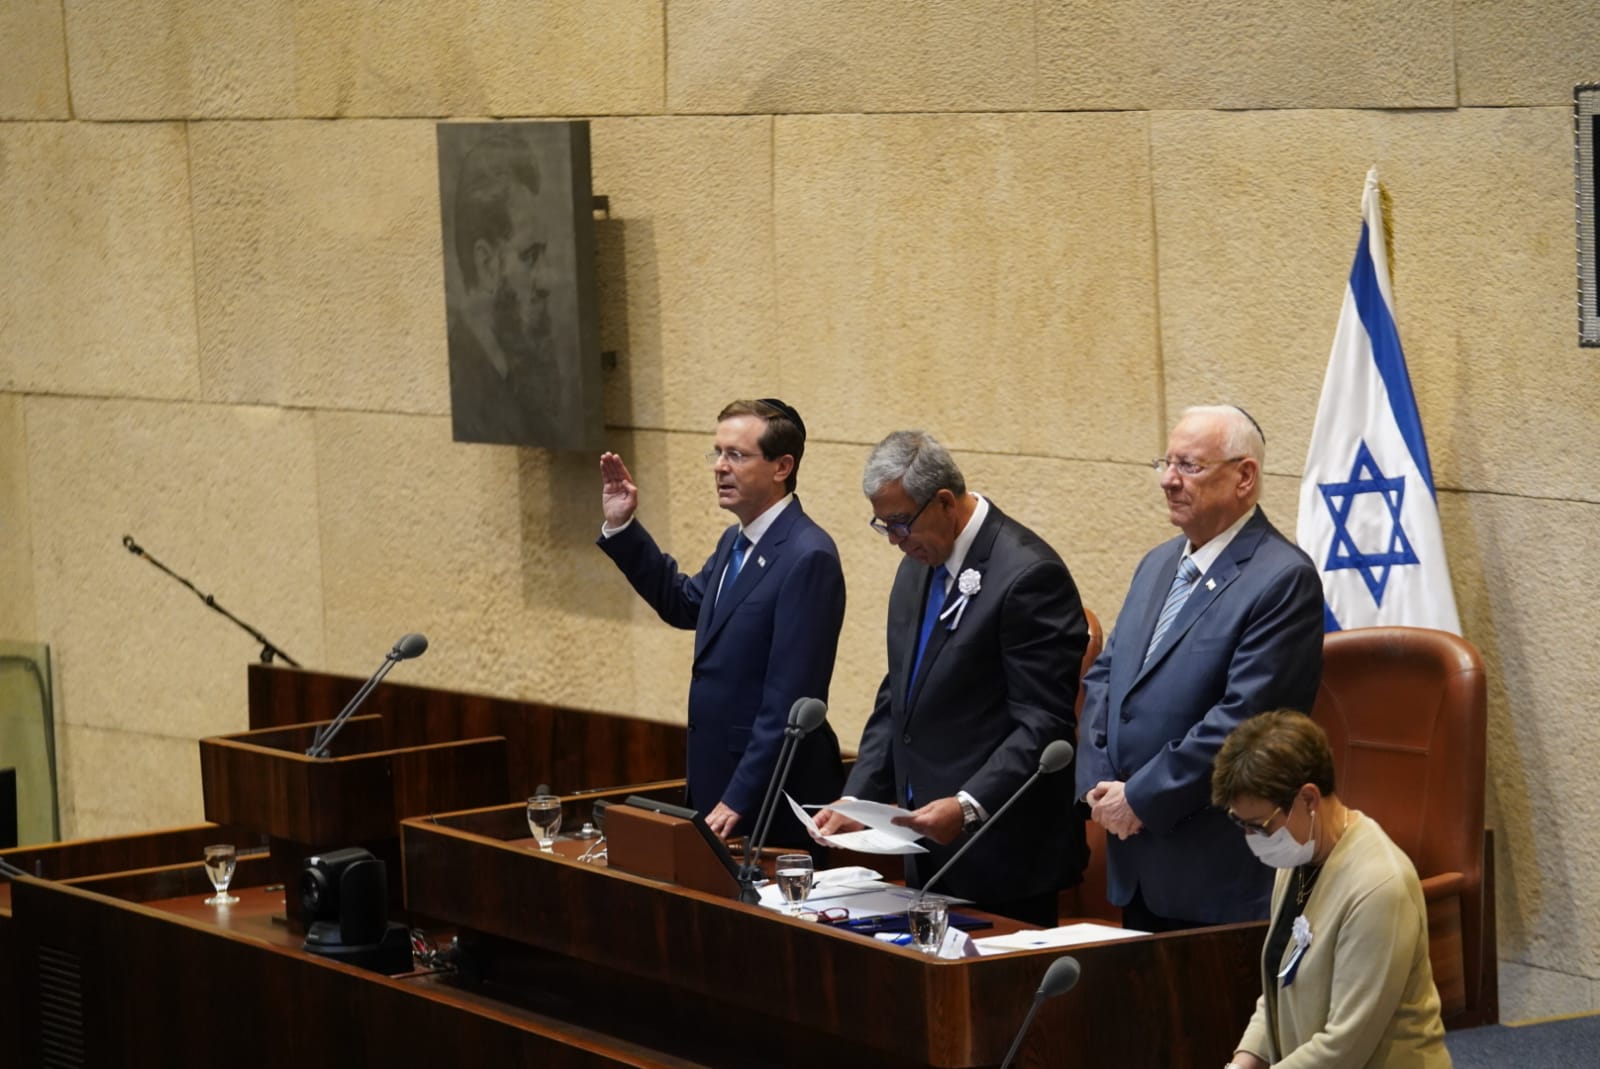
<point x="517" y="212"/>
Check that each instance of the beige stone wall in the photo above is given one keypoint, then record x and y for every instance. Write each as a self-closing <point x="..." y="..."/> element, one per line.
<point x="1039" y="228"/>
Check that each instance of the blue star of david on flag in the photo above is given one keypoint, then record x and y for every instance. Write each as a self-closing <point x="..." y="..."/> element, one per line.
<point x="1373" y="567"/>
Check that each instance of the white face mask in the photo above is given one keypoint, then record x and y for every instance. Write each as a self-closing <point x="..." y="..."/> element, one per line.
<point x="1280" y="850"/>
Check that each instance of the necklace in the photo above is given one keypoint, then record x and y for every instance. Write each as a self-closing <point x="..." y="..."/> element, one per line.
<point x="1304" y="883"/>
<point x="1306" y="875"/>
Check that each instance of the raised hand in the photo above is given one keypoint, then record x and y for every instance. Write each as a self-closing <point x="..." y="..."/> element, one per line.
<point x="618" y="496"/>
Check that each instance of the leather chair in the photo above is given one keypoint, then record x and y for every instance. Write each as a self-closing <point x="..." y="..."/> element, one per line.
<point x="1087" y="901"/>
<point x="1405" y="712"/>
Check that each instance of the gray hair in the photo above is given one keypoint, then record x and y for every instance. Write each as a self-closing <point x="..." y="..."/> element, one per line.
<point x="916" y="461"/>
<point x="1242" y="436"/>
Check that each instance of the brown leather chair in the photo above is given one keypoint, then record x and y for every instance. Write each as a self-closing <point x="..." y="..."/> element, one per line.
<point x="1405" y="712"/>
<point x="1087" y="901"/>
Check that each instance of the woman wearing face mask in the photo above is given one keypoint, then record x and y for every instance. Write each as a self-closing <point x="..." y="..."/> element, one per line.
<point x="1345" y="975"/>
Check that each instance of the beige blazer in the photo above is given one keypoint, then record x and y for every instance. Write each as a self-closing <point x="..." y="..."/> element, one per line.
<point x="1363" y="996"/>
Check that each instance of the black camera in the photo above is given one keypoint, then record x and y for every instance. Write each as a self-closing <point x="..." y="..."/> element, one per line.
<point x="345" y="897"/>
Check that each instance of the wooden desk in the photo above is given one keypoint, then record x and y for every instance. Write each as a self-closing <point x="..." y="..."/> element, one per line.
<point x="665" y="957"/>
<point x="172" y="983"/>
<point x="570" y="965"/>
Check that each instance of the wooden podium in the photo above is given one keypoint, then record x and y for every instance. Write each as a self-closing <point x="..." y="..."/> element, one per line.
<point x="414" y="750"/>
<point x="263" y="780"/>
<point x="713" y="981"/>
<point x="568" y="749"/>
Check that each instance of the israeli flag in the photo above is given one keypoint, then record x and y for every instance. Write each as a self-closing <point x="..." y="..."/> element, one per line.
<point x="1368" y="513"/>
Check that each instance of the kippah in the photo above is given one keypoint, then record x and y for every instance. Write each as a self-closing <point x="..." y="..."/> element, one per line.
<point x="1253" y="423"/>
<point x="789" y="413"/>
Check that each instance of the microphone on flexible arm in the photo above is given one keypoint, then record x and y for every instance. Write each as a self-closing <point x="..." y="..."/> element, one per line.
<point x="1059" y="978"/>
<point x="1056" y="756"/>
<point x="409" y="646"/>
<point x="268" y="650"/>
<point x="805" y="716"/>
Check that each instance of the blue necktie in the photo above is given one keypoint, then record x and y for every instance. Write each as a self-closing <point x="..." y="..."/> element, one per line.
<point x="741" y="546"/>
<point x="930" y="616"/>
<point x="1177" y="594"/>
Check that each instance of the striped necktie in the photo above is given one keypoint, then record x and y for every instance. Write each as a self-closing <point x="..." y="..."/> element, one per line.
<point x="1177" y="594"/>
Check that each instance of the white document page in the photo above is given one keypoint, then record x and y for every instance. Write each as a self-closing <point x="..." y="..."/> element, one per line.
<point x="1070" y="935"/>
<point x="879" y="837"/>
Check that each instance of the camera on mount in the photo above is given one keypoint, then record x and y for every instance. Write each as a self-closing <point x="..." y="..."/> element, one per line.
<point x="345" y="898"/>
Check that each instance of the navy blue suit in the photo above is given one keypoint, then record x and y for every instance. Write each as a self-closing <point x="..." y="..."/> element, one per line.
<point x="988" y="698"/>
<point x="1248" y="640"/>
<point x="767" y="640"/>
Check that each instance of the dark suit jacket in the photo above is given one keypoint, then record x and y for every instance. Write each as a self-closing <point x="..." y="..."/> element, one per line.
<point x="989" y="697"/>
<point x="1248" y="640"/>
<point x="767" y="641"/>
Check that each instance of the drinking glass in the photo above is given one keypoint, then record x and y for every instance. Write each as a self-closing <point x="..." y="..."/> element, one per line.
<point x="544" y="819"/>
<point x="927" y="917"/>
<point x="794" y="875"/>
<point x="220" y="862"/>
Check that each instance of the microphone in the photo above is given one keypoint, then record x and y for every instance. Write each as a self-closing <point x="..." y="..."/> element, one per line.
<point x="409" y="646"/>
<point x="805" y="716"/>
<point x="1056" y="756"/>
<point x="1059" y="978"/>
<point x="268" y="650"/>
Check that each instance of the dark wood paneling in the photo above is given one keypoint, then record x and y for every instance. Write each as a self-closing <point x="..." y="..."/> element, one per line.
<point x="567" y="749"/>
<point x="1175" y="1000"/>
<point x="154" y="989"/>
<point x="88" y="857"/>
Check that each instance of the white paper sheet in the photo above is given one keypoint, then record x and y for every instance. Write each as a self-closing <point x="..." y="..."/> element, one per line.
<point x="1069" y="935"/>
<point x="880" y="836"/>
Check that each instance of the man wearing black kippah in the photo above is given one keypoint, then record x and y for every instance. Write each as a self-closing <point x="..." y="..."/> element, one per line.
<point x="766" y="609"/>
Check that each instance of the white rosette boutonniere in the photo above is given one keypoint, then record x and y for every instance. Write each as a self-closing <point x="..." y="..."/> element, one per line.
<point x="1302" y="939"/>
<point x="968" y="583"/>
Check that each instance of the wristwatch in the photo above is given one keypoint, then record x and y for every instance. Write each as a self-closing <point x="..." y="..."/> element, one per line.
<point x="969" y="813"/>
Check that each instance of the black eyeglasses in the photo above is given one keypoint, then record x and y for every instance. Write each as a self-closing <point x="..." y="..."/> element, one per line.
<point x="898" y="528"/>
<point x="1250" y="827"/>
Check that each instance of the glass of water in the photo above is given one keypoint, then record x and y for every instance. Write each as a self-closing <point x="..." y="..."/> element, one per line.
<point x="794" y="873"/>
<point x="927" y="917"/>
<point x="544" y="819"/>
<point x="220" y="862"/>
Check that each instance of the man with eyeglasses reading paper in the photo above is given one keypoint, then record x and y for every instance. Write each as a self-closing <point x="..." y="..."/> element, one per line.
<point x="986" y="636"/>
<point x="766" y="609"/>
<point x="1219" y="624"/>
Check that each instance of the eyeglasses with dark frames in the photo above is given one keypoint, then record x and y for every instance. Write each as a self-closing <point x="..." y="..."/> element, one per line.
<point x="899" y="528"/>
<point x="1250" y="827"/>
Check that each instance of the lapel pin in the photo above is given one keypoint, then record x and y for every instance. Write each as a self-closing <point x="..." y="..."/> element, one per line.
<point x="1211" y="584"/>
<point x="761" y="561"/>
